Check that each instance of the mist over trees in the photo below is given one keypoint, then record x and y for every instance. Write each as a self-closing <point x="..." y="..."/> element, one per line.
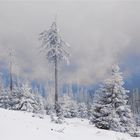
<point x="108" y="107"/>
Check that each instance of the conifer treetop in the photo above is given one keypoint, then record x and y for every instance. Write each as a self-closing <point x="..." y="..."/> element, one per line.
<point x="53" y="45"/>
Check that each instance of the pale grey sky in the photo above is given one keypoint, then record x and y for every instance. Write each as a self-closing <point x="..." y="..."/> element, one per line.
<point x="99" y="34"/>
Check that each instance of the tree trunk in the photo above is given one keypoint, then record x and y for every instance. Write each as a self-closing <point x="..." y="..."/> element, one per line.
<point x="11" y="81"/>
<point x="56" y="86"/>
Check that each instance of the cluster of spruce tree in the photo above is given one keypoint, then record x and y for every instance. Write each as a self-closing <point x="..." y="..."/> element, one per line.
<point x="69" y="108"/>
<point x="21" y="98"/>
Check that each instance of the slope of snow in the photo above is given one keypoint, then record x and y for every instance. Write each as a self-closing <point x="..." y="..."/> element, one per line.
<point x="16" y="125"/>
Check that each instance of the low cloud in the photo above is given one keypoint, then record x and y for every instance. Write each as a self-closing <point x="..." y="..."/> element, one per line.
<point x="99" y="35"/>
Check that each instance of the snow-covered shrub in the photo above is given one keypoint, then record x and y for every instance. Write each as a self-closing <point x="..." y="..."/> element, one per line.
<point x="4" y="99"/>
<point x="4" y="95"/>
<point x="59" y="116"/>
<point x="89" y="110"/>
<point x="49" y="109"/>
<point x="82" y="110"/>
<point x="69" y="107"/>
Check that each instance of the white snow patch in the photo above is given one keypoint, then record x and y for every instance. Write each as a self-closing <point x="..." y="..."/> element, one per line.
<point x="16" y="125"/>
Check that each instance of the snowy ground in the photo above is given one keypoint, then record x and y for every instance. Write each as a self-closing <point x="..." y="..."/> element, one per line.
<point x="16" y="125"/>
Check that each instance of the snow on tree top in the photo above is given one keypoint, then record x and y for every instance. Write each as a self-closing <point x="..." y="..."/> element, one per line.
<point x="115" y="68"/>
<point x="53" y="45"/>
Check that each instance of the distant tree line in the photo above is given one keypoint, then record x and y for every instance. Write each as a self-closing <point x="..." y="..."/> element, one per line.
<point x="134" y="102"/>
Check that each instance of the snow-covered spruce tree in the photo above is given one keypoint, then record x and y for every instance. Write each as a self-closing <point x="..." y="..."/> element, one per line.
<point x="25" y="100"/>
<point x="89" y="110"/>
<point x="110" y="105"/>
<point x="4" y="99"/>
<point x="82" y="110"/>
<point x="134" y="101"/>
<point x="69" y="106"/>
<point x="55" y="50"/>
<point x="4" y="96"/>
<point x="41" y="103"/>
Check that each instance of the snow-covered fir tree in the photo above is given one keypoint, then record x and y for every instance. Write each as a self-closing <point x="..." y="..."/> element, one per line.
<point x="134" y="101"/>
<point x="1" y="84"/>
<point x="25" y="100"/>
<point x="110" y="105"/>
<point x="55" y="50"/>
<point x="4" y="95"/>
<point x="82" y="110"/>
<point x="69" y="106"/>
<point x="48" y="108"/>
<point x="4" y="99"/>
<point x="89" y="110"/>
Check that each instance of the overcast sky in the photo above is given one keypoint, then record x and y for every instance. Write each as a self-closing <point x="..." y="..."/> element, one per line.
<point x="99" y="33"/>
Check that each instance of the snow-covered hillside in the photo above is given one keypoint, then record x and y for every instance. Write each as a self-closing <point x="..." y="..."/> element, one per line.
<point x="16" y="125"/>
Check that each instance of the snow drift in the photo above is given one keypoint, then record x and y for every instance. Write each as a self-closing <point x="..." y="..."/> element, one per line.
<point x="17" y="125"/>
